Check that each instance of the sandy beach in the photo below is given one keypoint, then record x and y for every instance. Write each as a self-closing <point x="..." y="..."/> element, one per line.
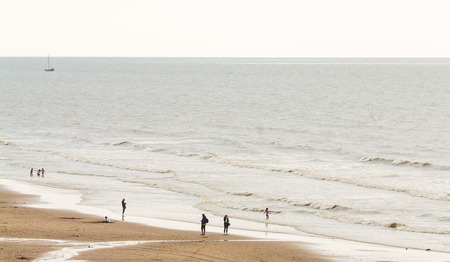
<point x="36" y="234"/>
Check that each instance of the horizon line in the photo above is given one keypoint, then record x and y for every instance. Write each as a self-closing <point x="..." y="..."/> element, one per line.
<point x="247" y="57"/>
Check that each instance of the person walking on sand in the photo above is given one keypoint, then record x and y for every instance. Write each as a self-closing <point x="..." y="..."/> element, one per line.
<point x="226" y="224"/>
<point x="124" y="206"/>
<point x="204" y="221"/>
<point x="42" y="172"/>
<point x="267" y="213"/>
<point x="31" y="172"/>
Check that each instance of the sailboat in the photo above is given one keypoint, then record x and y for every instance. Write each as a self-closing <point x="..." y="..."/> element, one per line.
<point x="49" y="67"/>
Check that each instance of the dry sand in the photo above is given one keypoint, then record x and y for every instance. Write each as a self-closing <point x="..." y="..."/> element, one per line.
<point x="29" y="231"/>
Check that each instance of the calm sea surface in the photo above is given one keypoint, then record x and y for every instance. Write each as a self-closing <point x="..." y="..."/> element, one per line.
<point x="351" y="148"/>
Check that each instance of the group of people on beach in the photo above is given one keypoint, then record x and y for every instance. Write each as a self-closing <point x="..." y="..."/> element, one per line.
<point x="40" y="172"/>
<point x="124" y="206"/>
<point x="226" y="222"/>
<point x="204" y="221"/>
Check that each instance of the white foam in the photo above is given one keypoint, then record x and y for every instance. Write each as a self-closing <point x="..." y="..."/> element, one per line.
<point x="67" y="253"/>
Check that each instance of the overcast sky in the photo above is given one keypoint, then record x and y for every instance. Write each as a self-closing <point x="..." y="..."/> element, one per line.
<point x="227" y="28"/>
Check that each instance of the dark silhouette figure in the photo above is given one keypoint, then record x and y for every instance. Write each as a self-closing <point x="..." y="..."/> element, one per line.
<point x="226" y="224"/>
<point x="124" y="206"/>
<point x="204" y="221"/>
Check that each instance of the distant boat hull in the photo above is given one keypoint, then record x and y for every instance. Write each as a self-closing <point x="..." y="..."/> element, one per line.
<point x="49" y="67"/>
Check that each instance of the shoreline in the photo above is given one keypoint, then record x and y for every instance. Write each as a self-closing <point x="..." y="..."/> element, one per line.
<point x="58" y="235"/>
<point x="317" y="248"/>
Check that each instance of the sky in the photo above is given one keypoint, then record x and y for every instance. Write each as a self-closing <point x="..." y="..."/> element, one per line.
<point x="227" y="28"/>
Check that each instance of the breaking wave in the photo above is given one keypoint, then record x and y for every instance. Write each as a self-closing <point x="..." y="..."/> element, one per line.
<point x="125" y="143"/>
<point x="314" y="175"/>
<point x="399" y="162"/>
<point x="373" y="222"/>
<point x="247" y="163"/>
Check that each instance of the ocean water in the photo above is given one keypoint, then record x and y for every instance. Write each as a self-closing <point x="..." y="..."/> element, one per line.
<point x="356" y="149"/>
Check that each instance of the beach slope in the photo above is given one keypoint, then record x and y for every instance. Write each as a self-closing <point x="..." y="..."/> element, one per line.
<point x="30" y="233"/>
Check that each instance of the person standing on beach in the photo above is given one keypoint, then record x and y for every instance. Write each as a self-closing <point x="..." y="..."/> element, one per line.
<point x="39" y="172"/>
<point x="124" y="206"/>
<point x="267" y="213"/>
<point x="204" y="221"/>
<point x="31" y="172"/>
<point x="226" y="224"/>
<point x="43" y="172"/>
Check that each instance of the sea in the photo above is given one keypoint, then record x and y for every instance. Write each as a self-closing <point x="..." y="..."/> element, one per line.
<point x="346" y="148"/>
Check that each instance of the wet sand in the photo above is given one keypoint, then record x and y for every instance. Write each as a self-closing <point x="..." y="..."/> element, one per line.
<point x="31" y="233"/>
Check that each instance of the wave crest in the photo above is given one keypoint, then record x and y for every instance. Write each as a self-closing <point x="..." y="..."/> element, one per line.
<point x="400" y="162"/>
